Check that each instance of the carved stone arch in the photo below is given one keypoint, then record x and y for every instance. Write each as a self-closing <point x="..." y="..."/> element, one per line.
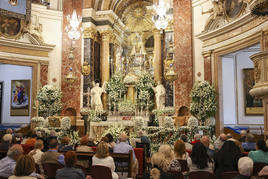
<point x="213" y="24"/>
<point x="34" y="39"/>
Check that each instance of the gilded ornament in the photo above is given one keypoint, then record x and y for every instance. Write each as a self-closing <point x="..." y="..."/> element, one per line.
<point x="85" y="68"/>
<point x="13" y="2"/>
<point x="11" y="27"/>
<point x="257" y="72"/>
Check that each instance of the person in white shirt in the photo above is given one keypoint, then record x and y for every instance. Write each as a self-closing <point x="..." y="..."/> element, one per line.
<point x="102" y="158"/>
<point x="36" y="153"/>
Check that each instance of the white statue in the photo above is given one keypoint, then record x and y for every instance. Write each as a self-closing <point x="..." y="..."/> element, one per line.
<point x="96" y="93"/>
<point x="160" y="94"/>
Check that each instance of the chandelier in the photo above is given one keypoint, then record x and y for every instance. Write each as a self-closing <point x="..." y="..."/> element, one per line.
<point x="260" y="8"/>
<point x="162" y="16"/>
<point x="72" y="29"/>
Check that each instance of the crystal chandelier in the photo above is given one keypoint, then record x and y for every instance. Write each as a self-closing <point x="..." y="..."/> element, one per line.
<point x="73" y="30"/>
<point x="161" y="18"/>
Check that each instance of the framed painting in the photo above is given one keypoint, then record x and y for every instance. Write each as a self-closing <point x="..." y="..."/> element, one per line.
<point x="1" y="99"/>
<point x="20" y="97"/>
<point x="253" y="105"/>
<point x="233" y="8"/>
<point x="20" y="9"/>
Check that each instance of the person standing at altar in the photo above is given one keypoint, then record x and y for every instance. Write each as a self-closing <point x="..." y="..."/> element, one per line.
<point x="160" y="95"/>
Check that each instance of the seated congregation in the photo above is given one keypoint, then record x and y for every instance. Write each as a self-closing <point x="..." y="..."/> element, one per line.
<point x="37" y="156"/>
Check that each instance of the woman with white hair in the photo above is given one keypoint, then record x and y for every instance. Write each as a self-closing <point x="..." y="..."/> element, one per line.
<point x="169" y="157"/>
<point x="245" y="168"/>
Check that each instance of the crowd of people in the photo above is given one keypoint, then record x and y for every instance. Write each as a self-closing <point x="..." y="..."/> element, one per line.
<point x="223" y="155"/>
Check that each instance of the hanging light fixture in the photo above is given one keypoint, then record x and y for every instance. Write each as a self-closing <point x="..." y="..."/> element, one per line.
<point x="162" y="16"/>
<point x="72" y="29"/>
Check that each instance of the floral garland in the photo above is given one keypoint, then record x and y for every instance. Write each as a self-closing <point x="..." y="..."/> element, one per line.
<point x="116" y="89"/>
<point x="49" y="98"/>
<point x="203" y="103"/>
<point x="144" y="91"/>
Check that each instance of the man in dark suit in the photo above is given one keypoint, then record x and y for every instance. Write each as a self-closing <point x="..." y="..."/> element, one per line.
<point x="205" y="142"/>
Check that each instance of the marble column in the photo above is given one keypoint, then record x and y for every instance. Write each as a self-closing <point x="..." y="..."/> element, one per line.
<point x="157" y="56"/>
<point x="104" y="63"/>
<point x="183" y="59"/>
<point x="207" y="66"/>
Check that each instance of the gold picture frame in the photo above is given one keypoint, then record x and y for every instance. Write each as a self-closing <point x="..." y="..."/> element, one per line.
<point x="20" y="98"/>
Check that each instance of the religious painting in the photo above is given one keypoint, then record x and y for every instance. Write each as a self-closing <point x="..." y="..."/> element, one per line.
<point x="1" y="97"/>
<point x="20" y="97"/>
<point x="233" y="8"/>
<point x="253" y="105"/>
<point x="10" y="27"/>
<point x="20" y="9"/>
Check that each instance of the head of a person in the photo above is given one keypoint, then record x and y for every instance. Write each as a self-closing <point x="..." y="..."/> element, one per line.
<point x="39" y="144"/>
<point x="31" y="134"/>
<point x="243" y="133"/>
<point x="229" y="153"/>
<point x="102" y="150"/>
<point x="38" y="133"/>
<point x="205" y="141"/>
<point x="9" y="131"/>
<point x="24" y="166"/>
<point x="7" y="138"/>
<point x="179" y="148"/>
<point x="159" y="82"/>
<point x="140" y="133"/>
<point x="70" y="159"/>
<point x="250" y="138"/>
<point x="261" y="145"/>
<point x="245" y="166"/>
<point x="197" y="137"/>
<point x="110" y="137"/>
<point x="123" y="137"/>
<point x="53" y="144"/>
<point x="200" y="156"/>
<point x="229" y="136"/>
<point x="184" y="138"/>
<point x="223" y="137"/>
<point x="53" y="133"/>
<point x="65" y="140"/>
<point x="84" y="140"/>
<point x="183" y="111"/>
<point x="15" y="152"/>
<point x="166" y="151"/>
<point x="105" y="139"/>
<point x="158" y="160"/>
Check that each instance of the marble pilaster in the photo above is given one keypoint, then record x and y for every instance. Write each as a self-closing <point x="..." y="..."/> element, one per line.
<point x="157" y="56"/>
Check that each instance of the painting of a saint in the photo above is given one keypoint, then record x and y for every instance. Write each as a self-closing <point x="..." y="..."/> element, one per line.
<point x="20" y="97"/>
<point x="233" y="8"/>
<point x="9" y="26"/>
<point x="253" y="105"/>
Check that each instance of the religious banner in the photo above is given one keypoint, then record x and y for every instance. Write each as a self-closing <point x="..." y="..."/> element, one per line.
<point x="20" y="97"/>
<point x="253" y="105"/>
<point x="20" y="9"/>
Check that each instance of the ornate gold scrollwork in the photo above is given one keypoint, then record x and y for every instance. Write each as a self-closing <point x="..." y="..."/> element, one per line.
<point x="257" y="71"/>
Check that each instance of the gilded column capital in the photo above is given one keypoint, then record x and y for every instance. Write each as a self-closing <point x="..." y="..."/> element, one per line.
<point x="90" y="32"/>
<point x="207" y="53"/>
<point x="106" y="35"/>
<point x="156" y="32"/>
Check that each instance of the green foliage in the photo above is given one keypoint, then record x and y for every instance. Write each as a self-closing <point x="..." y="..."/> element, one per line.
<point x="203" y="103"/>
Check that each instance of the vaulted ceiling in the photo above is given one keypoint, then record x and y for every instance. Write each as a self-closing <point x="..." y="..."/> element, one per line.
<point x="118" y="6"/>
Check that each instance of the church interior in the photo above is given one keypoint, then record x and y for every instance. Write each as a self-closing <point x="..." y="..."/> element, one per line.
<point x="130" y="68"/>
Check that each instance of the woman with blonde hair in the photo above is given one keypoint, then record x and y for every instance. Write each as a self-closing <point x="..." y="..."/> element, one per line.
<point x="25" y="166"/>
<point x="169" y="157"/>
<point x="102" y="158"/>
<point x="160" y="167"/>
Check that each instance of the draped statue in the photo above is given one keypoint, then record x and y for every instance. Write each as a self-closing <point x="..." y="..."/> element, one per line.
<point x="160" y="95"/>
<point x="96" y="92"/>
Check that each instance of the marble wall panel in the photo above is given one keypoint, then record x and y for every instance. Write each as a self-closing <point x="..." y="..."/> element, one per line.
<point x="43" y="75"/>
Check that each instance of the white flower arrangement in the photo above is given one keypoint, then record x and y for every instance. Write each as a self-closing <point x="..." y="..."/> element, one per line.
<point x="126" y="108"/>
<point x="138" y="123"/>
<point x="37" y="119"/>
<point x="43" y="129"/>
<point x="130" y="78"/>
<point x="192" y="122"/>
<point x="168" y="122"/>
<point x="65" y="123"/>
<point x="203" y="103"/>
<point x="85" y="111"/>
<point x="115" y="131"/>
<point x="73" y="135"/>
<point x="49" y="98"/>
